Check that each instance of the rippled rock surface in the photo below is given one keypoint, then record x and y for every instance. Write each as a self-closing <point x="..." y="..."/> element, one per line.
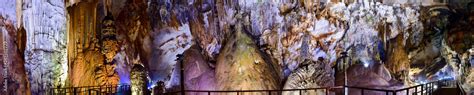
<point x="310" y="75"/>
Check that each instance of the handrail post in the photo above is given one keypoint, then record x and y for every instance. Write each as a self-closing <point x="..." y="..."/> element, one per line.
<point x="416" y="90"/>
<point x="345" y="61"/>
<point x="327" y="91"/>
<point x="431" y="88"/>
<point x="408" y="91"/>
<point x="180" y="61"/>
<point x="361" y="91"/>
<point x="428" y="87"/>
<point x="422" y="89"/>
<point x="394" y="93"/>
<point x="106" y="89"/>
<point x="344" y="90"/>
<point x="74" y="90"/>
<point x="434" y="84"/>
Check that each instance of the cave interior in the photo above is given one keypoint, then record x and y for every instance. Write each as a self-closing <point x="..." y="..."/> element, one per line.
<point x="141" y="47"/>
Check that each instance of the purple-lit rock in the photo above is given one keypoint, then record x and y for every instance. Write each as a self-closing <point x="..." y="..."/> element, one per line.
<point x="198" y="74"/>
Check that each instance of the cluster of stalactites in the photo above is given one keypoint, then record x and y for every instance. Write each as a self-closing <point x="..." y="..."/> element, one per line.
<point x="314" y="30"/>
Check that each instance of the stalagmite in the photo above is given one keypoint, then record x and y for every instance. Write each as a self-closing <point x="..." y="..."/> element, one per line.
<point x="236" y="68"/>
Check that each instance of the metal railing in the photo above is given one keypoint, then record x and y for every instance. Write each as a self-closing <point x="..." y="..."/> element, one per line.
<point x="91" y="90"/>
<point x="422" y="89"/>
<point x="326" y="90"/>
<point x="461" y="90"/>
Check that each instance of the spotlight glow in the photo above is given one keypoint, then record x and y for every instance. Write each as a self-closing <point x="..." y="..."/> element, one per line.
<point x="366" y="65"/>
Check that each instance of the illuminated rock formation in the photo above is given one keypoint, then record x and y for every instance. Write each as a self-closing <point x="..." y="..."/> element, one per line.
<point x="45" y="53"/>
<point x="397" y="59"/>
<point x="429" y="57"/>
<point x="89" y="65"/>
<point x="310" y="75"/>
<point x="167" y="43"/>
<point x="241" y="66"/>
<point x="374" y="76"/>
<point x="469" y="75"/>
<point x="139" y="80"/>
<point x="14" y="77"/>
<point x="198" y="74"/>
<point x="168" y="36"/>
<point x="205" y="27"/>
<point x="108" y="39"/>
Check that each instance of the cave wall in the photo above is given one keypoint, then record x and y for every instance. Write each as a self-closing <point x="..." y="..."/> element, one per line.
<point x="45" y="53"/>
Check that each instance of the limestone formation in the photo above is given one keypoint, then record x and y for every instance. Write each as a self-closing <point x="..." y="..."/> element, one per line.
<point x="169" y="34"/>
<point x="139" y="80"/>
<point x="198" y="74"/>
<point x="45" y="53"/>
<point x="241" y="66"/>
<point x="310" y="75"/>
<point x="14" y="79"/>
<point x="90" y="65"/>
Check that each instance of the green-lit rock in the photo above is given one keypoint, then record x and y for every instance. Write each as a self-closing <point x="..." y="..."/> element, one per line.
<point x="241" y="66"/>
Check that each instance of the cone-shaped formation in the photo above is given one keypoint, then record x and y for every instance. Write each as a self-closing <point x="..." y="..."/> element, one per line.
<point x="240" y="66"/>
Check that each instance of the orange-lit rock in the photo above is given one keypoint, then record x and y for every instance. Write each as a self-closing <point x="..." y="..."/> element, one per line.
<point x="88" y="65"/>
<point x="397" y="61"/>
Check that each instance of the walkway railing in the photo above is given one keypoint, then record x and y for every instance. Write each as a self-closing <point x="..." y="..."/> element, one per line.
<point x="461" y="90"/>
<point x="91" y="90"/>
<point x="326" y="90"/>
<point x="422" y="89"/>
